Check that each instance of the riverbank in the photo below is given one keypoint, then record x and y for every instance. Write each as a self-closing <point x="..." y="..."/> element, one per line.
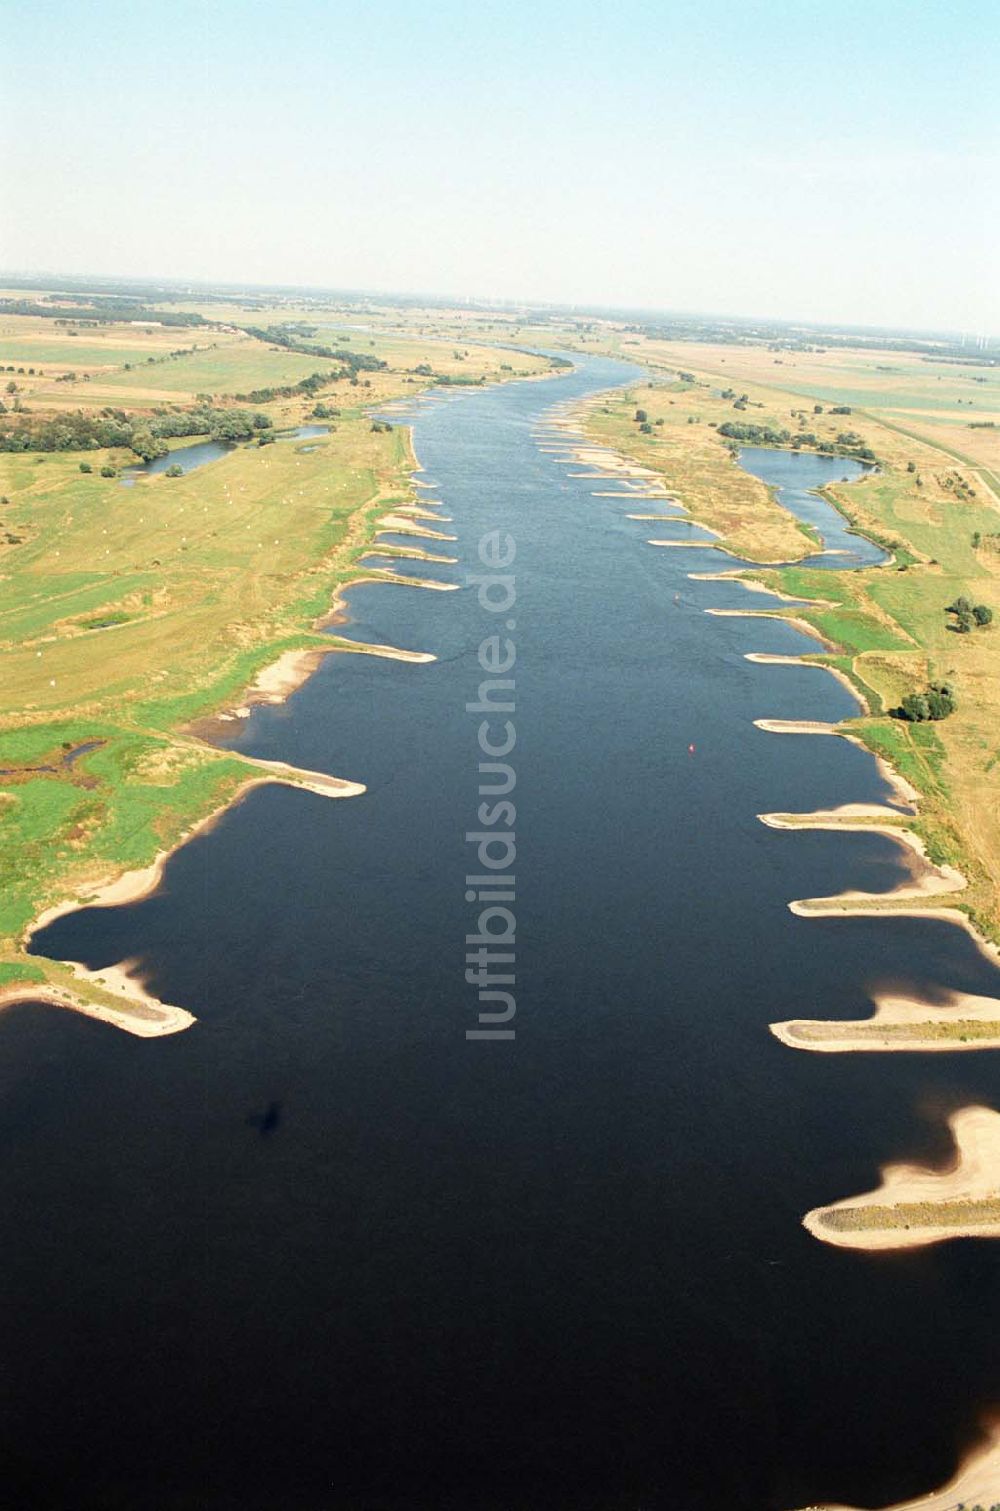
<point x="910" y="1207"/>
<point x="231" y="633"/>
<point x="883" y="628"/>
<point x="914" y="1205"/>
<point x="115" y="994"/>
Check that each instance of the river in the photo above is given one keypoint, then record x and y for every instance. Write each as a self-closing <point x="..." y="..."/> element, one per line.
<point x="323" y="1251"/>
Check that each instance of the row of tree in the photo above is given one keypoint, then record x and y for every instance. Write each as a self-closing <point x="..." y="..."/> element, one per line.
<point x="146" y="436"/>
<point x="104" y="312"/>
<point x="288" y="338"/>
<point x="848" y="442"/>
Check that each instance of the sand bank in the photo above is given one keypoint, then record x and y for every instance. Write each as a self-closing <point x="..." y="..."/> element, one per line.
<point x="387" y="652"/>
<point x="282" y="677"/>
<point x="802" y="625"/>
<point x="796" y="726"/>
<point x="961" y="1022"/>
<point x="145" y="1016"/>
<point x="805" y="909"/>
<point x="684" y="545"/>
<point x="387" y="551"/>
<point x="402" y="525"/>
<point x="915" y="1205"/>
<point x="735" y="574"/>
<point x="414" y="511"/>
<point x="685" y="519"/>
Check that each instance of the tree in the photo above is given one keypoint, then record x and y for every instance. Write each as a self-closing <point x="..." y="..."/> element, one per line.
<point x="174" y="470"/>
<point x="982" y="614"/>
<point x="148" y="446"/>
<point x="12" y="386"/>
<point x="641" y="417"/>
<point x="939" y="704"/>
<point x="964" y="622"/>
<point x="915" y="708"/>
<point x="107" y="471"/>
<point x="86" y="467"/>
<point x="961" y="605"/>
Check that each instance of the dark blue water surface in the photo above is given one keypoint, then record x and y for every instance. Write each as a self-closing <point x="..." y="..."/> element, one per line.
<point x="322" y="1251"/>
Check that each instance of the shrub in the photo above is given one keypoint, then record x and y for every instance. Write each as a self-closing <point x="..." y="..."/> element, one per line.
<point x="982" y="613"/>
<point x="174" y="470"/>
<point x="108" y="471"/>
<point x="86" y="467"/>
<point x="936" y="703"/>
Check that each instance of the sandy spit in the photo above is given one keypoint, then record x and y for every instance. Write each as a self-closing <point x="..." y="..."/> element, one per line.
<point x="942" y="915"/>
<point x="683" y="545"/>
<point x="401" y="525"/>
<point x="973" y="1176"/>
<point x="860" y="1035"/>
<point x="796" y="623"/>
<point x="145" y="1016"/>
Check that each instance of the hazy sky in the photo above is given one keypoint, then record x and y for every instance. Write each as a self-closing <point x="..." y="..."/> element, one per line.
<point x="818" y="159"/>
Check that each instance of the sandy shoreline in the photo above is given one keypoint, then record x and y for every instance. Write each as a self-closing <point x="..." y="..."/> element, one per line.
<point x="901" y="1023"/>
<point x="765" y="658"/>
<point x="140" y="1012"/>
<point x="972" y="1177"/>
<point x="796" y="623"/>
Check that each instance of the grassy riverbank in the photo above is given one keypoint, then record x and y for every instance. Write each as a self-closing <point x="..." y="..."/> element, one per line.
<point x="888" y="625"/>
<point x="128" y="613"/>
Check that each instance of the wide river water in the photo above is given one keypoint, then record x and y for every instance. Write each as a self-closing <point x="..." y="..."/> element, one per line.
<point x="564" y="1271"/>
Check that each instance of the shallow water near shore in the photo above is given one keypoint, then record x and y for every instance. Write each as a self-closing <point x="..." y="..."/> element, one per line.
<point x="200" y="453"/>
<point x="567" y="1271"/>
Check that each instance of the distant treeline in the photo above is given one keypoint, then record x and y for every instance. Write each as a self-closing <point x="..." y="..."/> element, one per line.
<point x="848" y="441"/>
<point x="310" y="385"/>
<point x="288" y="337"/>
<point x="147" y="437"/>
<point x="107" y="312"/>
<point x="778" y="337"/>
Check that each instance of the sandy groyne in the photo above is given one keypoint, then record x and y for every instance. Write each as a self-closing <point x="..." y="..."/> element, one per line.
<point x="914" y="1205"/>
